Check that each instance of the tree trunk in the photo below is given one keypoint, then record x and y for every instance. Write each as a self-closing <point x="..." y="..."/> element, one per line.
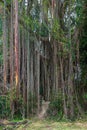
<point x="11" y="60"/>
<point x="28" y="74"/>
<point x="16" y="47"/>
<point x="5" y="48"/>
<point x="63" y="88"/>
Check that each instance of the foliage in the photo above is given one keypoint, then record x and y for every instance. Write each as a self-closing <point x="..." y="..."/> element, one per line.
<point x="18" y="103"/>
<point x="6" y="101"/>
<point x="4" y="106"/>
<point x="44" y="32"/>
<point x="56" y="107"/>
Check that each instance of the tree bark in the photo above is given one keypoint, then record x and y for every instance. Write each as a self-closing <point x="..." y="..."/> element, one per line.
<point x="16" y="47"/>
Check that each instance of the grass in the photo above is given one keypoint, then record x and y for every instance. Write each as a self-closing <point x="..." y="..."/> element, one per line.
<point x="36" y="124"/>
<point x="52" y="125"/>
<point x="1" y="128"/>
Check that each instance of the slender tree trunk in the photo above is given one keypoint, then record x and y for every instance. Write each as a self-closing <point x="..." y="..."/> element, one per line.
<point x="11" y="60"/>
<point x="55" y="67"/>
<point x="5" y="48"/>
<point x="16" y="47"/>
<point x="63" y="88"/>
<point x="38" y="81"/>
<point x="32" y="76"/>
<point x="28" y="74"/>
<point x="70" y="87"/>
<point x="23" y="72"/>
<point x="11" y="49"/>
<point x="70" y="74"/>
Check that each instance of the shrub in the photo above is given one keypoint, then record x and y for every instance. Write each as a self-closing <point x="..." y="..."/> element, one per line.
<point x="4" y="106"/>
<point x="55" y="110"/>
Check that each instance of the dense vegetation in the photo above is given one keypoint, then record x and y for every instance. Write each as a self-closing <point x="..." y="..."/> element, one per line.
<point x="43" y="52"/>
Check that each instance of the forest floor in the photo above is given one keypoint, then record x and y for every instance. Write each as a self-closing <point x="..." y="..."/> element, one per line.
<point x="49" y="125"/>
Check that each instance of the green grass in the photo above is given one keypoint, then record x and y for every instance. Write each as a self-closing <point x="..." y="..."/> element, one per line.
<point x="47" y="124"/>
<point x="1" y="128"/>
<point x="52" y="125"/>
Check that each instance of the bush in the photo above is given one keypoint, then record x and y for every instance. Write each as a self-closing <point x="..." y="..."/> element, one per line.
<point x="4" y="106"/>
<point x="55" y="110"/>
<point x="17" y="104"/>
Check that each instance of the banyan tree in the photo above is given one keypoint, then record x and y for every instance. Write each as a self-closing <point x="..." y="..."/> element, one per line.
<point x="39" y="58"/>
